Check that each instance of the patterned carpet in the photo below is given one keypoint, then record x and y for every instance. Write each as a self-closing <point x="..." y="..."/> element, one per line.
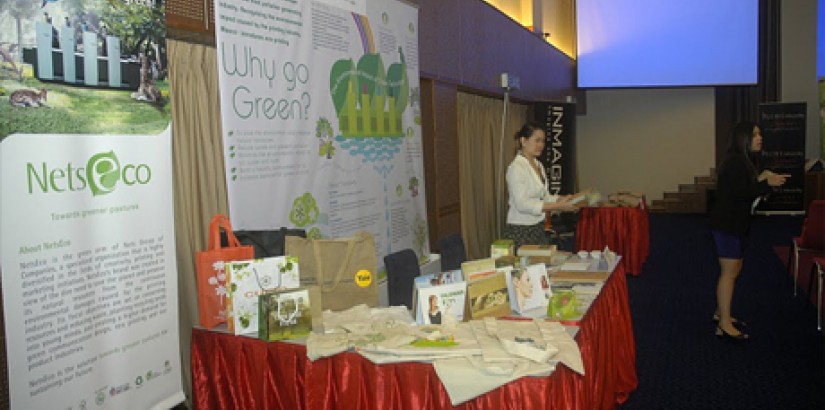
<point x="682" y="365"/>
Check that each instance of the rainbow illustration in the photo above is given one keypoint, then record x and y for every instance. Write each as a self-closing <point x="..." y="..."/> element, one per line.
<point x="363" y="25"/>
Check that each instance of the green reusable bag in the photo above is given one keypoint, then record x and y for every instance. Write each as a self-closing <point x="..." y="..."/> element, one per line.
<point x="563" y="306"/>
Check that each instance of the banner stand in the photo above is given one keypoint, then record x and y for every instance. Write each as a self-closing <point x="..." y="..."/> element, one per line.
<point x="783" y="152"/>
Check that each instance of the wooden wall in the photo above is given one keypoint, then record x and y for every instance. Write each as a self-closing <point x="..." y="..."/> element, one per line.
<point x="463" y="45"/>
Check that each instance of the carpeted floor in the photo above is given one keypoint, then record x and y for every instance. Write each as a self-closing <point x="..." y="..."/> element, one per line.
<point x="682" y="365"/>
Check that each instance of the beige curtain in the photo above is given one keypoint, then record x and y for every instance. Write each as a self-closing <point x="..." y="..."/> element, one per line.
<point x="200" y="188"/>
<point x="479" y="152"/>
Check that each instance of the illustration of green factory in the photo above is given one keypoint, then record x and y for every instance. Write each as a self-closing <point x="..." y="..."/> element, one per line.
<point x="368" y="102"/>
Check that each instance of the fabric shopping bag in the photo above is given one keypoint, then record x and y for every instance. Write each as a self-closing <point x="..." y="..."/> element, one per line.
<point x="210" y="265"/>
<point x="267" y="243"/>
<point x="343" y="268"/>
<point x="246" y="280"/>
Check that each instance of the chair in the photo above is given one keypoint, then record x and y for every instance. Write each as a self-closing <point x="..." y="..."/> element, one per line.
<point x="452" y="252"/>
<point x="812" y="239"/>
<point x="818" y="267"/>
<point x="402" y="268"/>
<point x="562" y="230"/>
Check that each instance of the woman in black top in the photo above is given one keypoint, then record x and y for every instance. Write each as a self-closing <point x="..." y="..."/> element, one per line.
<point x="738" y="185"/>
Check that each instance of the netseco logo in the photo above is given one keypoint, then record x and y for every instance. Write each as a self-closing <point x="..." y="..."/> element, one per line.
<point x="101" y="175"/>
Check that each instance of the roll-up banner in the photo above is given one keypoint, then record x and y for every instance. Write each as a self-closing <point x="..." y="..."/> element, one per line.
<point x="321" y="118"/>
<point x="559" y="156"/>
<point x="87" y="240"/>
<point x="89" y="273"/>
<point x="783" y="152"/>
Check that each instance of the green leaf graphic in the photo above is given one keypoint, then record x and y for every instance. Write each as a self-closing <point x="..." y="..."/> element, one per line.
<point x="103" y="173"/>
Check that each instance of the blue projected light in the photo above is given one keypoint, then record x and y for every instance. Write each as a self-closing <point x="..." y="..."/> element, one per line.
<point x="655" y="43"/>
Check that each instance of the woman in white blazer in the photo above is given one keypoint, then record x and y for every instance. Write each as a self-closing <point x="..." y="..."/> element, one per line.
<point x="527" y="186"/>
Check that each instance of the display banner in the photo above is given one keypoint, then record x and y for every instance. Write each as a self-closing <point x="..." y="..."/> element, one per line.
<point x="87" y="248"/>
<point x="321" y="118"/>
<point x="783" y="152"/>
<point x="559" y="156"/>
<point x="821" y="93"/>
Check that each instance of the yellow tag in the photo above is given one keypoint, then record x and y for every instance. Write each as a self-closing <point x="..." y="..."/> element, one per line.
<point x="363" y="278"/>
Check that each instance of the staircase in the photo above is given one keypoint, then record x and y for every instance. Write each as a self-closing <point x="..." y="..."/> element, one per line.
<point x="689" y="199"/>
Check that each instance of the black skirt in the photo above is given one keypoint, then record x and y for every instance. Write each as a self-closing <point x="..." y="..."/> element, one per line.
<point x="526" y="234"/>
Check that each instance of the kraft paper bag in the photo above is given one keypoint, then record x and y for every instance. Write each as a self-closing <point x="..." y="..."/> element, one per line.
<point x="344" y="269"/>
<point x="210" y="264"/>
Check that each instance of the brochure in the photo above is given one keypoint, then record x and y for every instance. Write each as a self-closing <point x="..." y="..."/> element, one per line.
<point x="477" y="269"/>
<point x="488" y="296"/>
<point x="528" y="288"/>
<point x="436" y="280"/>
<point x="436" y="302"/>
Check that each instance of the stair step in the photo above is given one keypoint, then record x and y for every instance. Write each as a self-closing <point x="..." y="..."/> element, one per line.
<point x="704" y="180"/>
<point x="682" y="196"/>
<point x="666" y="201"/>
<point x="656" y="209"/>
<point x="690" y="187"/>
<point x="685" y="196"/>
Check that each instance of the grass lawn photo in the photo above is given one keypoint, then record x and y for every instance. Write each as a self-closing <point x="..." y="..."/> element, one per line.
<point x="82" y="110"/>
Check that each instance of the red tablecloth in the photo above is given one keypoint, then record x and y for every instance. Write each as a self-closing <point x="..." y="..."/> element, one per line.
<point x="625" y="230"/>
<point x="230" y="372"/>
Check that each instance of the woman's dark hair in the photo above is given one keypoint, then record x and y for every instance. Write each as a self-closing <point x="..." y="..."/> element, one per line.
<point x="526" y="131"/>
<point x="740" y="142"/>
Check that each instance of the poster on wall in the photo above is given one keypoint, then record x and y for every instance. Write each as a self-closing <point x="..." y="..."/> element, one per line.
<point x="89" y="278"/>
<point x="783" y="152"/>
<point x="89" y="273"/>
<point x="321" y="118"/>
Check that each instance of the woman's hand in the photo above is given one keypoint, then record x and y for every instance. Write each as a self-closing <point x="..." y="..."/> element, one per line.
<point x="562" y="205"/>
<point x="773" y="178"/>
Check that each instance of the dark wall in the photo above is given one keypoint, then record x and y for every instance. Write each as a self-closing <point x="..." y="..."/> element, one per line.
<point x="469" y="43"/>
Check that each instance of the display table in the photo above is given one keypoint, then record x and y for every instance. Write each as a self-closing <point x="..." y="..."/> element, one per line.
<point x="232" y="372"/>
<point x="625" y="230"/>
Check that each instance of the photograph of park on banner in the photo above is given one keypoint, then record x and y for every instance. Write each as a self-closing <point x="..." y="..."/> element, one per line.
<point x="83" y="66"/>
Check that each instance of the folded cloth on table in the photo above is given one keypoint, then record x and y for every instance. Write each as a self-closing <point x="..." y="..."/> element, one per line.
<point x="320" y="345"/>
<point x="466" y="378"/>
<point x="509" y="350"/>
<point x="523" y="339"/>
<point x="423" y="343"/>
<point x="470" y="358"/>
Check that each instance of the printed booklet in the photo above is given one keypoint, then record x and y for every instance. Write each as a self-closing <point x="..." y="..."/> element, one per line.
<point x="529" y="288"/>
<point x="437" y="295"/>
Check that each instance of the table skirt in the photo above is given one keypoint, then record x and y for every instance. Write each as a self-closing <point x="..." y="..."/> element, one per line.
<point x="231" y="372"/>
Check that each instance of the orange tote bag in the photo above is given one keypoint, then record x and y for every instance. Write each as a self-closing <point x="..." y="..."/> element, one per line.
<point x="211" y="274"/>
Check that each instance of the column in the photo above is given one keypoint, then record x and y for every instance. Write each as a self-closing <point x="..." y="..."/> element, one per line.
<point x="90" y="76"/>
<point x="45" y="66"/>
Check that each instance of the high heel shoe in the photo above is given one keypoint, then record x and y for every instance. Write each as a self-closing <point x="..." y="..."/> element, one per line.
<point x="734" y="321"/>
<point x="741" y="337"/>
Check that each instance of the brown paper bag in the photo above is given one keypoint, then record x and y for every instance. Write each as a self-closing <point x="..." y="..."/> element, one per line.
<point x="344" y="269"/>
